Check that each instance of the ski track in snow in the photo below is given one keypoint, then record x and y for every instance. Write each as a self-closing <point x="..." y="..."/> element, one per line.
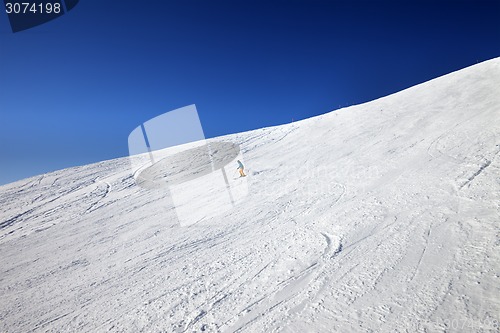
<point x="381" y="217"/>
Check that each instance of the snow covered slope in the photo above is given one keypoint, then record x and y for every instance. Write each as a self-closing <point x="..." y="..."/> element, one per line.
<point x="381" y="217"/>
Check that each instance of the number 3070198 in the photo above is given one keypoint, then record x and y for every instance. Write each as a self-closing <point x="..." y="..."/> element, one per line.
<point x="32" y="8"/>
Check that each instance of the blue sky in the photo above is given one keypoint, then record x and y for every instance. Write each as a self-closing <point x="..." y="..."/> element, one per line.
<point x="72" y="90"/>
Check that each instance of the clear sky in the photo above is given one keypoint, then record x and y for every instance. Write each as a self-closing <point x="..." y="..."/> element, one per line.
<point x="72" y="90"/>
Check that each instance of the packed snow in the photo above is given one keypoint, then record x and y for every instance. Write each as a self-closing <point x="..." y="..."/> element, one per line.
<point x="380" y="217"/>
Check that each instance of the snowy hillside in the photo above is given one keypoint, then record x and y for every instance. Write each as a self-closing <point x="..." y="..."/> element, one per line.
<point x="381" y="217"/>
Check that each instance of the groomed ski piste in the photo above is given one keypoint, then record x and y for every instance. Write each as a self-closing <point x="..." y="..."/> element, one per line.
<point x="380" y="217"/>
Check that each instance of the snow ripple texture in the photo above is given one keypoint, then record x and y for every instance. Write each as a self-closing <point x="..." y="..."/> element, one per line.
<point x="381" y="217"/>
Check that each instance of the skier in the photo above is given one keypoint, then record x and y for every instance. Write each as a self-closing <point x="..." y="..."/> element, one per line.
<point x="240" y="168"/>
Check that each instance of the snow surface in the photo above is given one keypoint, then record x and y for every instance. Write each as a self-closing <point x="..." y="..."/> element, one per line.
<point x="381" y="217"/>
